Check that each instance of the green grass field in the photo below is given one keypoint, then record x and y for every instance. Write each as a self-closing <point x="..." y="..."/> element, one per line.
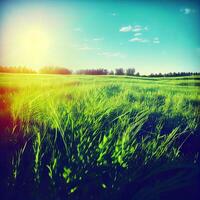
<point x="99" y="137"/>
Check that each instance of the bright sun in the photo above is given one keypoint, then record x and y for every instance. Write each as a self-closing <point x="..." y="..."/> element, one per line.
<point x="35" y="41"/>
<point x="33" y="44"/>
<point x="27" y="45"/>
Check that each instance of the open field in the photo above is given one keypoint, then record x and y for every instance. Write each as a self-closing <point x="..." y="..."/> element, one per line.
<point x="99" y="137"/>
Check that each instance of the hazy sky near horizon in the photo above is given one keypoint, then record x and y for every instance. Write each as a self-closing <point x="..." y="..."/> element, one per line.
<point x="160" y="36"/>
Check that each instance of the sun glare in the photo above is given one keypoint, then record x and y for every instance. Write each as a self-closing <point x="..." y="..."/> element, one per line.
<point x="35" y="41"/>
<point x="33" y="44"/>
<point x="25" y="44"/>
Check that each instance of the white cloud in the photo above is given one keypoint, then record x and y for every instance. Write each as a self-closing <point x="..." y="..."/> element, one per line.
<point x="136" y="39"/>
<point x="98" y="39"/>
<point x="112" y="54"/>
<point x="156" y="40"/>
<point x="187" y="11"/>
<point x="126" y="28"/>
<point x="137" y="34"/>
<point x="136" y="28"/>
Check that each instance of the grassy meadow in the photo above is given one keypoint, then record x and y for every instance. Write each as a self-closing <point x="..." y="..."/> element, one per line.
<point x="99" y="137"/>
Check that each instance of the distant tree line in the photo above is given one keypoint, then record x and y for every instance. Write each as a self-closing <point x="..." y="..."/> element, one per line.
<point x="118" y="71"/>
<point x="16" y="70"/>
<point x="127" y="72"/>
<point x="174" y="74"/>
<point x="55" y="70"/>
<point x="93" y="71"/>
<point x="101" y="71"/>
<point x="59" y="70"/>
<point x="43" y="70"/>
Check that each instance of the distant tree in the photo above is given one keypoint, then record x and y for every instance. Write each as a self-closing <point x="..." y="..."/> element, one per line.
<point x="10" y="69"/>
<point x="137" y="74"/>
<point x="93" y="71"/>
<point x="119" y="71"/>
<point x="151" y="75"/>
<point x="174" y="74"/>
<point x="130" y="71"/>
<point x="54" y="70"/>
<point x="111" y="72"/>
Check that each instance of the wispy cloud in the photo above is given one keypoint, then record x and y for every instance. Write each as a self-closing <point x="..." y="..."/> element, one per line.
<point x="137" y="34"/>
<point x="156" y="40"/>
<point x="187" y="11"/>
<point x="136" y="28"/>
<point x="136" y="39"/>
<point x="85" y="47"/>
<point x="98" y="39"/>
<point x="126" y="28"/>
<point x="112" y="54"/>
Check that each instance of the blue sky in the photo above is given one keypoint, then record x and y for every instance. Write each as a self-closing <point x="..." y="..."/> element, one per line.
<point x="152" y="37"/>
